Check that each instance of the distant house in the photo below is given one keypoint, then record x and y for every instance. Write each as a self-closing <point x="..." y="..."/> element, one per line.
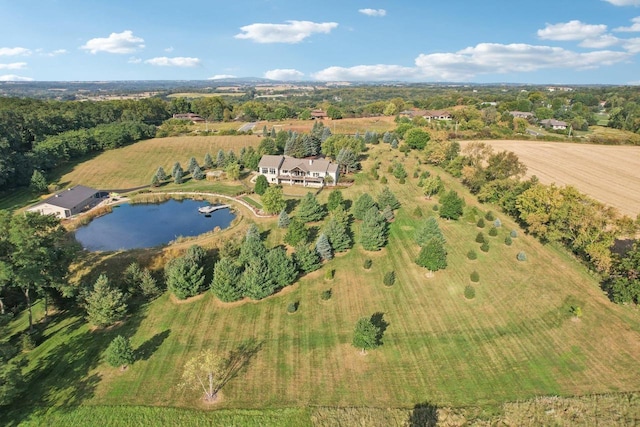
<point x="522" y="115"/>
<point x="437" y="115"/>
<point x="70" y="202"/>
<point x="189" y="116"/>
<point x="554" y="124"/>
<point x="414" y="112"/>
<point x="289" y="170"/>
<point x="318" y="115"/>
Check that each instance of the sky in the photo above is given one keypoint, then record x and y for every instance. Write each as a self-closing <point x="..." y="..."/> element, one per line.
<point x="490" y="41"/>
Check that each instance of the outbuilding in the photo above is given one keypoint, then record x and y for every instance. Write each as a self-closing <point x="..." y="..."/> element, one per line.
<point x="70" y="202"/>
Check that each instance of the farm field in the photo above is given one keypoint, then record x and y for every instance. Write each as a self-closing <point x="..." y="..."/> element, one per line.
<point x="609" y="173"/>
<point x="516" y="340"/>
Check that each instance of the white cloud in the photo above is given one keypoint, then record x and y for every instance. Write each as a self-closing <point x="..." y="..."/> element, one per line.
<point x="484" y="58"/>
<point x="373" y="12"/>
<point x="14" y="51"/>
<point x="134" y="60"/>
<point x="572" y="30"/>
<point x="222" y="76"/>
<point x="13" y="66"/>
<point x="283" y="74"/>
<point x="14" y="78"/>
<point x="605" y="40"/>
<point x="178" y="61"/>
<point x="632" y="45"/>
<point x="634" y="28"/>
<point x="624" y="2"/>
<point x="124" y="42"/>
<point x="291" y="32"/>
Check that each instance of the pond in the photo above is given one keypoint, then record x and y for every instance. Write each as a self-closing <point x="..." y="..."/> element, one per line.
<point x="147" y="225"/>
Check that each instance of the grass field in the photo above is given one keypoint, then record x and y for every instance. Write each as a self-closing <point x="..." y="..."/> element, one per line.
<point x="607" y="173"/>
<point x="516" y="340"/>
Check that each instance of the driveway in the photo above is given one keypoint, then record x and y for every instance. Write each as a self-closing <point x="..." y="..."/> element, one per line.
<point x="247" y="127"/>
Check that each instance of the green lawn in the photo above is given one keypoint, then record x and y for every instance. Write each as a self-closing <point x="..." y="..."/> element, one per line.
<point x="516" y="340"/>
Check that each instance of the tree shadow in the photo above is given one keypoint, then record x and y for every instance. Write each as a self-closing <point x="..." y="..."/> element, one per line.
<point x="239" y="358"/>
<point x="147" y="348"/>
<point x="314" y="233"/>
<point x="291" y="205"/>
<point x="423" y="414"/>
<point x="377" y="319"/>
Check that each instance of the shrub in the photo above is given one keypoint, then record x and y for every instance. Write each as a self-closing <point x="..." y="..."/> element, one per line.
<point x="484" y="247"/>
<point x="474" y="276"/>
<point x="389" y="278"/>
<point x="326" y="295"/>
<point x="489" y="216"/>
<point x="497" y="223"/>
<point x="401" y="181"/>
<point x="293" y="307"/>
<point x="480" y="223"/>
<point x="480" y="237"/>
<point x="576" y="311"/>
<point x="469" y="292"/>
<point x="513" y="234"/>
<point x="417" y="212"/>
<point x="508" y="241"/>
<point x="493" y="232"/>
<point x="367" y="263"/>
<point x="329" y="274"/>
<point x="415" y="174"/>
<point x="521" y="256"/>
<point x="472" y="255"/>
<point x="383" y="180"/>
<point x="436" y="208"/>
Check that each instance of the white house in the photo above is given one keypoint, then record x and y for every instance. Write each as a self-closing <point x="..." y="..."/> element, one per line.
<point x="554" y="124"/>
<point x="289" y="170"/>
<point x="69" y="202"/>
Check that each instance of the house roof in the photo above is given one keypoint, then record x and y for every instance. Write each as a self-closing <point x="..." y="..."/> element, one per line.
<point x="553" y="122"/>
<point x="521" y="114"/>
<point x="270" y="161"/>
<point x="437" y="113"/>
<point x="71" y="197"/>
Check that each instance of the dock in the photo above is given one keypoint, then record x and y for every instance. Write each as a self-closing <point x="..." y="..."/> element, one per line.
<point x="212" y="208"/>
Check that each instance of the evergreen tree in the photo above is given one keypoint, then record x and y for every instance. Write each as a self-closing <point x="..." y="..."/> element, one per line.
<point x="387" y="213"/>
<point x="12" y="380"/>
<point x="119" y="352"/>
<point x="221" y="159"/>
<point x="296" y="233"/>
<point x="342" y="216"/>
<point x="273" y="132"/>
<point x="184" y="277"/>
<point x="433" y="255"/>
<point x="452" y="205"/>
<point x="231" y="158"/>
<point x="428" y="230"/>
<point x="373" y="230"/>
<point x="337" y="234"/>
<point x="283" y="219"/>
<point x="323" y="247"/>
<point x="326" y="133"/>
<point x="226" y="280"/>
<point x="38" y="182"/>
<point x="335" y="199"/>
<point x="386" y="138"/>
<point x="208" y="161"/>
<point x="309" y="210"/>
<point x="177" y="178"/>
<point x="252" y="247"/>
<point x="175" y="169"/>
<point x="387" y="198"/>
<point x="398" y="171"/>
<point x="193" y="163"/>
<point x="306" y="258"/>
<point x="394" y="143"/>
<point x="282" y="269"/>
<point x="148" y="285"/>
<point x="161" y="174"/>
<point x="154" y="181"/>
<point x="347" y="160"/>
<point x="105" y="304"/>
<point x="261" y="185"/>
<point x="256" y="283"/>
<point x="362" y="205"/>
<point x="197" y="173"/>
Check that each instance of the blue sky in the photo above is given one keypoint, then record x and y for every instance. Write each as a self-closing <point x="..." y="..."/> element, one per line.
<point x="545" y="42"/>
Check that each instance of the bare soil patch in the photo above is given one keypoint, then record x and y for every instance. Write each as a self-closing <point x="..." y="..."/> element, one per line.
<point x="608" y="173"/>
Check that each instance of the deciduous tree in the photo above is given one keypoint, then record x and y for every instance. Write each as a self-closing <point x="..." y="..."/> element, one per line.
<point x="206" y="372"/>
<point x="365" y="335"/>
<point x="273" y="200"/>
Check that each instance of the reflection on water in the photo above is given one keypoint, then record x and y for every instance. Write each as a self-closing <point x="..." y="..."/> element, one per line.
<point x="147" y="225"/>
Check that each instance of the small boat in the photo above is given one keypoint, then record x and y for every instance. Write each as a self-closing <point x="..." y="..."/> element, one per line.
<point x="211" y="208"/>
